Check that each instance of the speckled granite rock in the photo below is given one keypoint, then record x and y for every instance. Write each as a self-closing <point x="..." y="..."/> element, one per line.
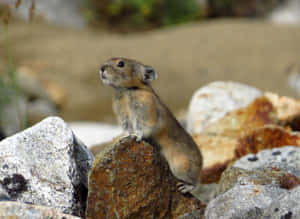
<point x="131" y="180"/>
<point x="215" y="100"/>
<point x="198" y="214"/>
<point x="46" y="165"/>
<point x="286" y="206"/>
<point x="284" y="159"/>
<point x="251" y="187"/>
<point x="26" y="211"/>
<point x="246" y="193"/>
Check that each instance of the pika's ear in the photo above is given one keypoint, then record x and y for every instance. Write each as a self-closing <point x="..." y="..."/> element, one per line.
<point x="149" y="74"/>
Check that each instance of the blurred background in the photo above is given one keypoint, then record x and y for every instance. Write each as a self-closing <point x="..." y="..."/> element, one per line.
<point x="51" y="51"/>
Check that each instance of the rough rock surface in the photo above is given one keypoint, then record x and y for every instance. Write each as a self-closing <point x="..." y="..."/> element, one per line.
<point x="214" y="101"/>
<point x="285" y="159"/>
<point x="198" y="214"/>
<point x="46" y="165"/>
<point x="27" y="211"/>
<point x="286" y="206"/>
<point x="131" y="180"/>
<point x="218" y="141"/>
<point x="246" y="199"/>
<point x="250" y="189"/>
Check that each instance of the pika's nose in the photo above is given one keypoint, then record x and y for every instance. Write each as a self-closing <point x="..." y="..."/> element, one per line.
<point x="102" y="68"/>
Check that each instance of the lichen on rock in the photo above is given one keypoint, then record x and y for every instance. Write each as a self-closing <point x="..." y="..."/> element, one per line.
<point x="131" y="180"/>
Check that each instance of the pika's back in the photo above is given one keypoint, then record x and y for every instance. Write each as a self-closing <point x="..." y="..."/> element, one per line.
<point x="126" y="73"/>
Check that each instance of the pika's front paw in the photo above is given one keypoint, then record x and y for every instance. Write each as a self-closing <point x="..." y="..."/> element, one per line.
<point x="184" y="188"/>
<point x="125" y="139"/>
<point x="130" y="137"/>
<point x="137" y="137"/>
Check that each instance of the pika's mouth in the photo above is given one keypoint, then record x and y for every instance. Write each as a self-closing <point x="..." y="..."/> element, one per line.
<point x="102" y="75"/>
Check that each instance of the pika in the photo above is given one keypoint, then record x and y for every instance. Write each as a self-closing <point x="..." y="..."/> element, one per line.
<point x="142" y="115"/>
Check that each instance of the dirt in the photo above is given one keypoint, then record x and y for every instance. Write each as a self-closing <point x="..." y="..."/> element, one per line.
<point x="186" y="57"/>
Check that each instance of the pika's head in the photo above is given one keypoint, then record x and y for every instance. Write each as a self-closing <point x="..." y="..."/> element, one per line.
<point x="126" y="73"/>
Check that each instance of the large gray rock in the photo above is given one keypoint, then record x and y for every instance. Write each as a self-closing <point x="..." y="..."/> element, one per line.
<point x="212" y="102"/>
<point x="26" y="211"/>
<point x="264" y="185"/>
<point x="244" y="194"/>
<point x="285" y="159"/>
<point x="287" y="206"/>
<point x="46" y="165"/>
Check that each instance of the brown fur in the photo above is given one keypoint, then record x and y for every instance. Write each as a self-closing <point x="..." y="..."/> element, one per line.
<point x="141" y="113"/>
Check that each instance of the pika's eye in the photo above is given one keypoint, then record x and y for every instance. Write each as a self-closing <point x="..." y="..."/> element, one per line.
<point x="121" y="64"/>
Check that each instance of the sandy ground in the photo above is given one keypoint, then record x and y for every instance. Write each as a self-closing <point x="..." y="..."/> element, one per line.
<point x="186" y="57"/>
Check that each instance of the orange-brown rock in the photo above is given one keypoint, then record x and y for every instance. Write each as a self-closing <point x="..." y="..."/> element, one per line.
<point x="287" y="108"/>
<point x="218" y="141"/>
<point x="247" y="130"/>
<point x="269" y="136"/>
<point x="131" y="180"/>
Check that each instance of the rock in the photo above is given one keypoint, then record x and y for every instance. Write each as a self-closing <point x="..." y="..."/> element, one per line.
<point x="46" y="165"/>
<point x="214" y="101"/>
<point x="225" y="130"/>
<point x="218" y="140"/>
<point x="198" y="214"/>
<point x="263" y="176"/>
<point x="10" y="209"/>
<point x="131" y="180"/>
<point x="251" y="187"/>
<point x="285" y="159"/>
<point x="266" y="137"/>
<point x="286" y="206"/>
<point x="245" y="194"/>
<point x="287" y="108"/>
<point x="93" y="134"/>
